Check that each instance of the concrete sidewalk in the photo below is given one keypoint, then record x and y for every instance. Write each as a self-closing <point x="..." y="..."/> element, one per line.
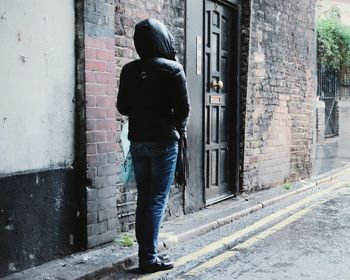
<point x="333" y="153"/>
<point x="95" y="263"/>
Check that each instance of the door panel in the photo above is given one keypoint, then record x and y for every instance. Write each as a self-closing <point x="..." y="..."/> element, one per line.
<point x="218" y="91"/>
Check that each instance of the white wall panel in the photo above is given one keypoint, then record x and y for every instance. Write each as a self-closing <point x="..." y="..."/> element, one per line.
<point x="36" y="84"/>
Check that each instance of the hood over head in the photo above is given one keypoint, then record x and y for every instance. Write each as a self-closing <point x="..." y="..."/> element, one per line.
<point x="153" y="39"/>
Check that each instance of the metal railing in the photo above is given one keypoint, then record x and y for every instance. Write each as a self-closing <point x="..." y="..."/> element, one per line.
<point x="327" y="91"/>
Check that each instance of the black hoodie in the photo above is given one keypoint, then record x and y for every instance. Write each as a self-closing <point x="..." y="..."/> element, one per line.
<point x="153" y="90"/>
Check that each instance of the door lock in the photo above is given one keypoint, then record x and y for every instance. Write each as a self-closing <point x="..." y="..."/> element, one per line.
<point x="217" y="84"/>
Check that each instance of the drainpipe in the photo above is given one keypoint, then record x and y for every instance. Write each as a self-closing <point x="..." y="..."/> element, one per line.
<point x="314" y="116"/>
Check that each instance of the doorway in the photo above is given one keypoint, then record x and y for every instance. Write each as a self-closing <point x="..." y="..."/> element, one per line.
<point x="212" y="69"/>
<point x="220" y="99"/>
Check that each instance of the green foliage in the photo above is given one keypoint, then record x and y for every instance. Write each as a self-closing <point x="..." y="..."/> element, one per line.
<point x="333" y="41"/>
<point x="126" y="240"/>
<point x="287" y="186"/>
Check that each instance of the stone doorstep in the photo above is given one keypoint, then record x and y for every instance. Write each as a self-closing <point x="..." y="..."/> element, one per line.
<point x="114" y="258"/>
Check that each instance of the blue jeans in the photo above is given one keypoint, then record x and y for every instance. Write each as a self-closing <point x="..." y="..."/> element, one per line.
<point x="154" y="166"/>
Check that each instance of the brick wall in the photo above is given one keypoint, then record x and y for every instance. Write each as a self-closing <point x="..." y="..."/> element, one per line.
<point x="277" y="76"/>
<point x="101" y="138"/>
<point x="281" y="86"/>
<point x="128" y="14"/>
<point x="244" y="63"/>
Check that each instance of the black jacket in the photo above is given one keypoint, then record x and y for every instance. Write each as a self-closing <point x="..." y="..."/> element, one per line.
<point x="153" y="90"/>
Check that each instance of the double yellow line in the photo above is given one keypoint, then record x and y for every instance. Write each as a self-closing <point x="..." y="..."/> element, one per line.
<point x="249" y="229"/>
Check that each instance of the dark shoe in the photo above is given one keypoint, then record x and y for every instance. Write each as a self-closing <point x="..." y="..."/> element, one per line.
<point x="164" y="257"/>
<point x="159" y="265"/>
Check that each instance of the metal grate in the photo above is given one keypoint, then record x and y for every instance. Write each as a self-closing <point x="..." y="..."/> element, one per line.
<point x="344" y="83"/>
<point x="327" y="91"/>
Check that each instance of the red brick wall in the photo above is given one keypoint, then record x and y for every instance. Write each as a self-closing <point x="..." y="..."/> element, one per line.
<point x="100" y="97"/>
<point x="102" y="170"/>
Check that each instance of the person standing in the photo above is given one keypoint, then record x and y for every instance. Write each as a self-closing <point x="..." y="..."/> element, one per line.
<point x="153" y="94"/>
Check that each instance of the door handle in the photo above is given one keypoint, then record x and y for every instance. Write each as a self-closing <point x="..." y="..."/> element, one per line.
<point x="217" y="84"/>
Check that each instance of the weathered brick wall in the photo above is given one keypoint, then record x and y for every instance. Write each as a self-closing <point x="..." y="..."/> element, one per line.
<point x="281" y="86"/>
<point x="102" y="147"/>
<point x="127" y="14"/>
<point x="244" y="63"/>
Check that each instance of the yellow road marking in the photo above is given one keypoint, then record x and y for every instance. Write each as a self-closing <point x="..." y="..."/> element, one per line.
<point x="231" y="238"/>
<point x="248" y="243"/>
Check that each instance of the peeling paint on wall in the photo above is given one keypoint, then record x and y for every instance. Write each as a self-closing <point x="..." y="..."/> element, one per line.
<point x="3" y="16"/>
<point x="23" y="59"/>
<point x="19" y="36"/>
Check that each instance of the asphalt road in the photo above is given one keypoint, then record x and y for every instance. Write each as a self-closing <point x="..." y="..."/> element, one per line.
<point x="305" y="237"/>
<point x="316" y="245"/>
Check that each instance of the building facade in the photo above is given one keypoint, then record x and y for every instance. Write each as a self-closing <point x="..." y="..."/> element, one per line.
<point x="251" y="76"/>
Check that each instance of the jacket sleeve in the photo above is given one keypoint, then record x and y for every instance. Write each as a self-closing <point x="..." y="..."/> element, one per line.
<point x="181" y="100"/>
<point x="122" y="99"/>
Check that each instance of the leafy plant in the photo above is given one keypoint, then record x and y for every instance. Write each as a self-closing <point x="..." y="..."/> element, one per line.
<point x="333" y="41"/>
<point x="126" y="240"/>
<point x="287" y="186"/>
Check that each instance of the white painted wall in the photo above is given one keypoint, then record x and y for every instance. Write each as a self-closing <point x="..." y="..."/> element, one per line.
<point x="344" y="120"/>
<point x="36" y="84"/>
<point x="344" y="6"/>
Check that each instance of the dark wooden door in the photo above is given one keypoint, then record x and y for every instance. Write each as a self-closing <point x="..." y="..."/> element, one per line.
<point x="219" y="95"/>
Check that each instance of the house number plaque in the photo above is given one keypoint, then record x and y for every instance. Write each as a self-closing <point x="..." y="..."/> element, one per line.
<point x="215" y="99"/>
